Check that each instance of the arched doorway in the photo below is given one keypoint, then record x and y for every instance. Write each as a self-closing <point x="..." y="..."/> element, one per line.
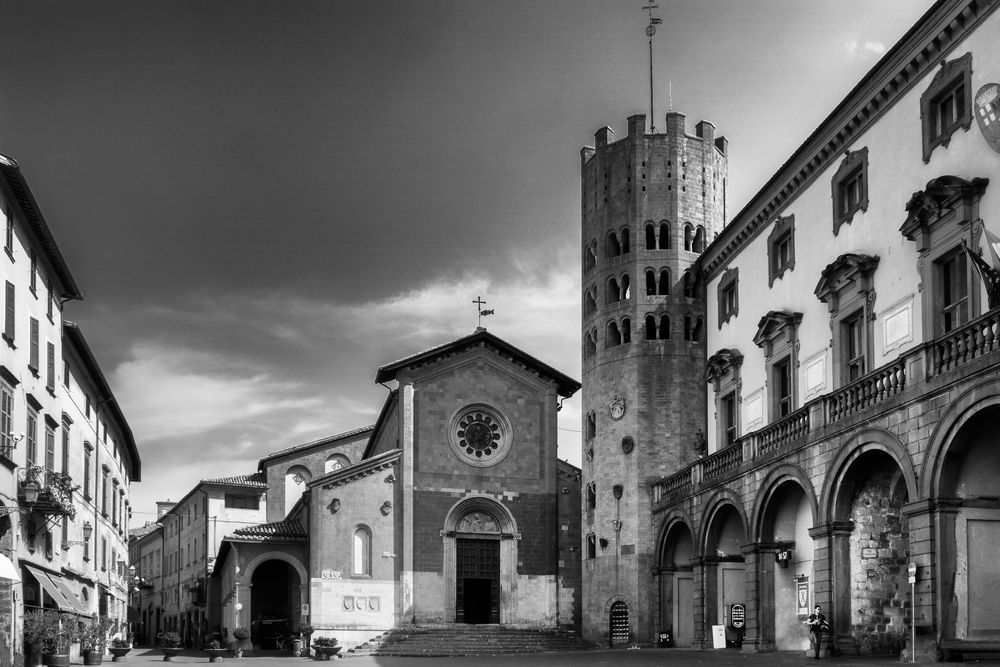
<point x="618" y="624"/>
<point x="968" y="479"/>
<point x="871" y="494"/>
<point x="786" y="566"/>
<point x="480" y="562"/>
<point x="677" y="584"/>
<point x="275" y="600"/>
<point x="725" y="572"/>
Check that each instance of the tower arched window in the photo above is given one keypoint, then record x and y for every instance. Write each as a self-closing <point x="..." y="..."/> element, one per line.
<point x="664" y="332"/>
<point x="688" y="236"/>
<point x="650" y="327"/>
<point x="591" y="546"/>
<point x="626" y="243"/>
<point x="664" y="235"/>
<point x="664" y="284"/>
<point x="696" y="331"/>
<point x="688" y="285"/>
<point x="589" y="258"/>
<point x="614" y="247"/>
<point x="590" y="302"/>
<point x="336" y="462"/>
<point x="614" y="336"/>
<point x="614" y="291"/>
<point x="362" y="561"/>
<point x="699" y="239"/>
<point x="590" y="347"/>
<point x="650" y="281"/>
<point x="687" y="327"/>
<point x="626" y="330"/>
<point x="650" y="236"/>
<point x="626" y="287"/>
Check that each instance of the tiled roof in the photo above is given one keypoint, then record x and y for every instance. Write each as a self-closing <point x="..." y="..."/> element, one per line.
<point x="254" y="479"/>
<point x="307" y="445"/>
<point x="144" y="530"/>
<point x="279" y="530"/>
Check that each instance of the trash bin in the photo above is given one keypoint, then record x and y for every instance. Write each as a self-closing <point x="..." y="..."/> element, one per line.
<point x="296" y="646"/>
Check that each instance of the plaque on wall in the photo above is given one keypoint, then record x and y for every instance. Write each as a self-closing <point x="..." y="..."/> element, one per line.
<point x="617" y="406"/>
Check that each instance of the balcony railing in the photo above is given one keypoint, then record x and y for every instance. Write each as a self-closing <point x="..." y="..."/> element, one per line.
<point x="54" y="491"/>
<point x="952" y="350"/>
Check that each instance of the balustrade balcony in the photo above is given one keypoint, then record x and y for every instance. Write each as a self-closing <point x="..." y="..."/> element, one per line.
<point x="863" y="398"/>
<point x="46" y="491"/>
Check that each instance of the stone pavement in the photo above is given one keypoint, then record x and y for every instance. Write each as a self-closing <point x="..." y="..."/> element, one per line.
<point x="617" y="658"/>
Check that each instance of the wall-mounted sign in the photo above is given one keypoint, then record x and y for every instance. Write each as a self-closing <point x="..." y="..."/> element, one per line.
<point x="783" y="557"/>
<point x="738" y="616"/>
<point x="986" y="108"/>
<point x="802" y="594"/>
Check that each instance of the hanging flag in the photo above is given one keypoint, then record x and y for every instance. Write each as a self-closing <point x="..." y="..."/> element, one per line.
<point x="989" y="274"/>
<point x="993" y="243"/>
<point x="486" y="312"/>
<point x="656" y="21"/>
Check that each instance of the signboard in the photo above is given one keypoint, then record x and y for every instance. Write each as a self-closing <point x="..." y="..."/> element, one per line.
<point x="305" y="608"/>
<point x="802" y="594"/>
<point x="783" y="557"/>
<point x="912" y="571"/>
<point x="737" y="616"/>
<point x="718" y="636"/>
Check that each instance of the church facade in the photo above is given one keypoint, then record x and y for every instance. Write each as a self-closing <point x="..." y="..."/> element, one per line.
<point x="452" y="508"/>
<point x="845" y="449"/>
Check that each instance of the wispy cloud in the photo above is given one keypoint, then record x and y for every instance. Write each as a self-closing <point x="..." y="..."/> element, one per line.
<point x="864" y="51"/>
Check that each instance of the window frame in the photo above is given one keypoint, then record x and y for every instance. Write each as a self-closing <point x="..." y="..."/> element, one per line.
<point x="724" y="372"/>
<point x="952" y="75"/>
<point x="782" y="233"/>
<point x="847" y="286"/>
<point x="362" y="556"/>
<point x="778" y="336"/>
<point x="853" y="168"/>
<point x="729" y="283"/>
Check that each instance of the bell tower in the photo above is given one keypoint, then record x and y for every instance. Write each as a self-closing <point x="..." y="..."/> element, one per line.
<point x="651" y="202"/>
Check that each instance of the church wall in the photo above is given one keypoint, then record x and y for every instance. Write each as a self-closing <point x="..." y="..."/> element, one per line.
<point x="570" y="582"/>
<point x="343" y="601"/>
<point x="314" y="460"/>
<point x="387" y="437"/>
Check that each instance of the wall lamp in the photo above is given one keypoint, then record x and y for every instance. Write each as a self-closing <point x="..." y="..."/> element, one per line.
<point x="88" y="530"/>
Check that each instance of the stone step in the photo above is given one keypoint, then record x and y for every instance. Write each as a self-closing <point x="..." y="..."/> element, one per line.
<point x="439" y="641"/>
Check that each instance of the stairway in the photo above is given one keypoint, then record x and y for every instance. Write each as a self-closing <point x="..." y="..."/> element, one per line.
<point x="459" y="639"/>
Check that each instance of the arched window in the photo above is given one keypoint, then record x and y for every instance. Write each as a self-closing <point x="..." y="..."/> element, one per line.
<point x="336" y="462"/>
<point x="650" y="281"/>
<point x="614" y="248"/>
<point x="591" y="496"/>
<point x="664" y="285"/>
<point x="589" y="258"/>
<point x="297" y="479"/>
<point x="626" y="330"/>
<point x="688" y="236"/>
<point x="699" y="239"/>
<point x="590" y="349"/>
<point x="664" y="235"/>
<point x="590" y="302"/>
<point x="625" y="240"/>
<point x="591" y="546"/>
<point x="696" y="332"/>
<point x="664" y="327"/>
<point x="614" y="292"/>
<point x="687" y="327"/>
<point x="688" y="284"/>
<point x="650" y="327"/>
<point x="362" y="551"/>
<point x="614" y="336"/>
<point x="650" y="236"/>
<point x="626" y="289"/>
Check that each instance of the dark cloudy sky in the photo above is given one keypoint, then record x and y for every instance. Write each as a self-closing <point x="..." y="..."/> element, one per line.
<point x="264" y="201"/>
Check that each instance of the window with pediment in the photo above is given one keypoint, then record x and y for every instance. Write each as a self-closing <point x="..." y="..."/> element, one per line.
<point x="781" y="248"/>
<point x="723" y="372"/>
<point x="777" y="336"/>
<point x="728" y="295"/>
<point x="847" y="287"/>
<point x="946" y="105"/>
<point x="850" y="188"/>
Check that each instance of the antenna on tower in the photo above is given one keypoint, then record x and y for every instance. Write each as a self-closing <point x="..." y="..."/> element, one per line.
<point x="670" y="95"/>
<point x="650" y="31"/>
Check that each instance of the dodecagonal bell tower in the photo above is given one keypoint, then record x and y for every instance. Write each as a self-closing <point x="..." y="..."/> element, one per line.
<point x="651" y="202"/>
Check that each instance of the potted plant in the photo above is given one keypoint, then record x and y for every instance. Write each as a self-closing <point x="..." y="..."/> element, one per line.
<point x="240" y="634"/>
<point x="215" y="650"/>
<point x="52" y="633"/>
<point x="306" y="631"/>
<point x="119" y="647"/>
<point x="325" y="647"/>
<point x="170" y="644"/>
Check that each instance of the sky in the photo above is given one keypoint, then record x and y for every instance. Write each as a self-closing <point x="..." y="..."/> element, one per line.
<point x="264" y="201"/>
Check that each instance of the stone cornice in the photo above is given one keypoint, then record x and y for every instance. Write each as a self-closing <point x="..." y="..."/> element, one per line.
<point x="361" y="470"/>
<point x="915" y="55"/>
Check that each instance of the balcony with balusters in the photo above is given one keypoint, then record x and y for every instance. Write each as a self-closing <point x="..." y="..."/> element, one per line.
<point x="965" y="352"/>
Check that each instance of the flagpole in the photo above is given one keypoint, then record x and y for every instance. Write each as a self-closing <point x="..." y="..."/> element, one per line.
<point x="650" y="31"/>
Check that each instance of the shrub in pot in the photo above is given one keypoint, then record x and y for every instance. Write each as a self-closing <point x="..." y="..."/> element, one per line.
<point x="240" y="634"/>
<point x="119" y="647"/>
<point x="170" y="644"/>
<point x="52" y="633"/>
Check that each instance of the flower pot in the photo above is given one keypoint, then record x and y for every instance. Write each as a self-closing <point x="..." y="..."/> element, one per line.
<point x="215" y="654"/>
<point x="119" y="653"/>
<point x="170" y="653"/>
<point x="93" y="656"/>
<point x="56" y="659"/>
<point x="325" y="652"/>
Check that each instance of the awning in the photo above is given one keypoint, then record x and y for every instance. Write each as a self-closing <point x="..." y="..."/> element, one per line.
<point x="7" y="569"/>
<point x="50" y="588"/>
<point x="60" y="593"/>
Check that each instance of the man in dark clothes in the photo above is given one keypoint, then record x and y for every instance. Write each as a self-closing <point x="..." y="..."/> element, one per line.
<point x="817" y="626"/>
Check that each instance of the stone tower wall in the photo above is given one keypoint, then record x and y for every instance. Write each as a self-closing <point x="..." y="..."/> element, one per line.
<point x="679" y="179"/>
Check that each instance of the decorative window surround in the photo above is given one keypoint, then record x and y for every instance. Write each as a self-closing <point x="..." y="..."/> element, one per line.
<point x="850" y="188"/>
<point x="847" y="287"/>
<point x="946" y="105"/>
<point x="777" y="335"/>
<point x="723" y="371"/>
<point x="781" y="248"/>
<point x="729" y="295"/>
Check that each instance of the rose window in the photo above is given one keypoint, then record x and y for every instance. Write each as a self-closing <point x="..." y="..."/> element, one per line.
<point x="480" y="435"/>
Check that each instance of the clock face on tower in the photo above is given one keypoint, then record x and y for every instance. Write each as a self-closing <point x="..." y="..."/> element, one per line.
<point x="617" y="406"/>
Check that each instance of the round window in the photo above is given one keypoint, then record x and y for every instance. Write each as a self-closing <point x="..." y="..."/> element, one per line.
<point x="480" y="435"/>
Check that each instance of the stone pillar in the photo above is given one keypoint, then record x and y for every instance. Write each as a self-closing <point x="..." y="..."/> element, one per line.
<point x="407" y="435"/>
<point x="710" y="599"/>
<point x="700" y="630"/>
<point x="832" y="581"/>
<point x="760" y="597"/>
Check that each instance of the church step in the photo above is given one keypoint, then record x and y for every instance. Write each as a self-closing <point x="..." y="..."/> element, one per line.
<point x="436" y="641"/>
